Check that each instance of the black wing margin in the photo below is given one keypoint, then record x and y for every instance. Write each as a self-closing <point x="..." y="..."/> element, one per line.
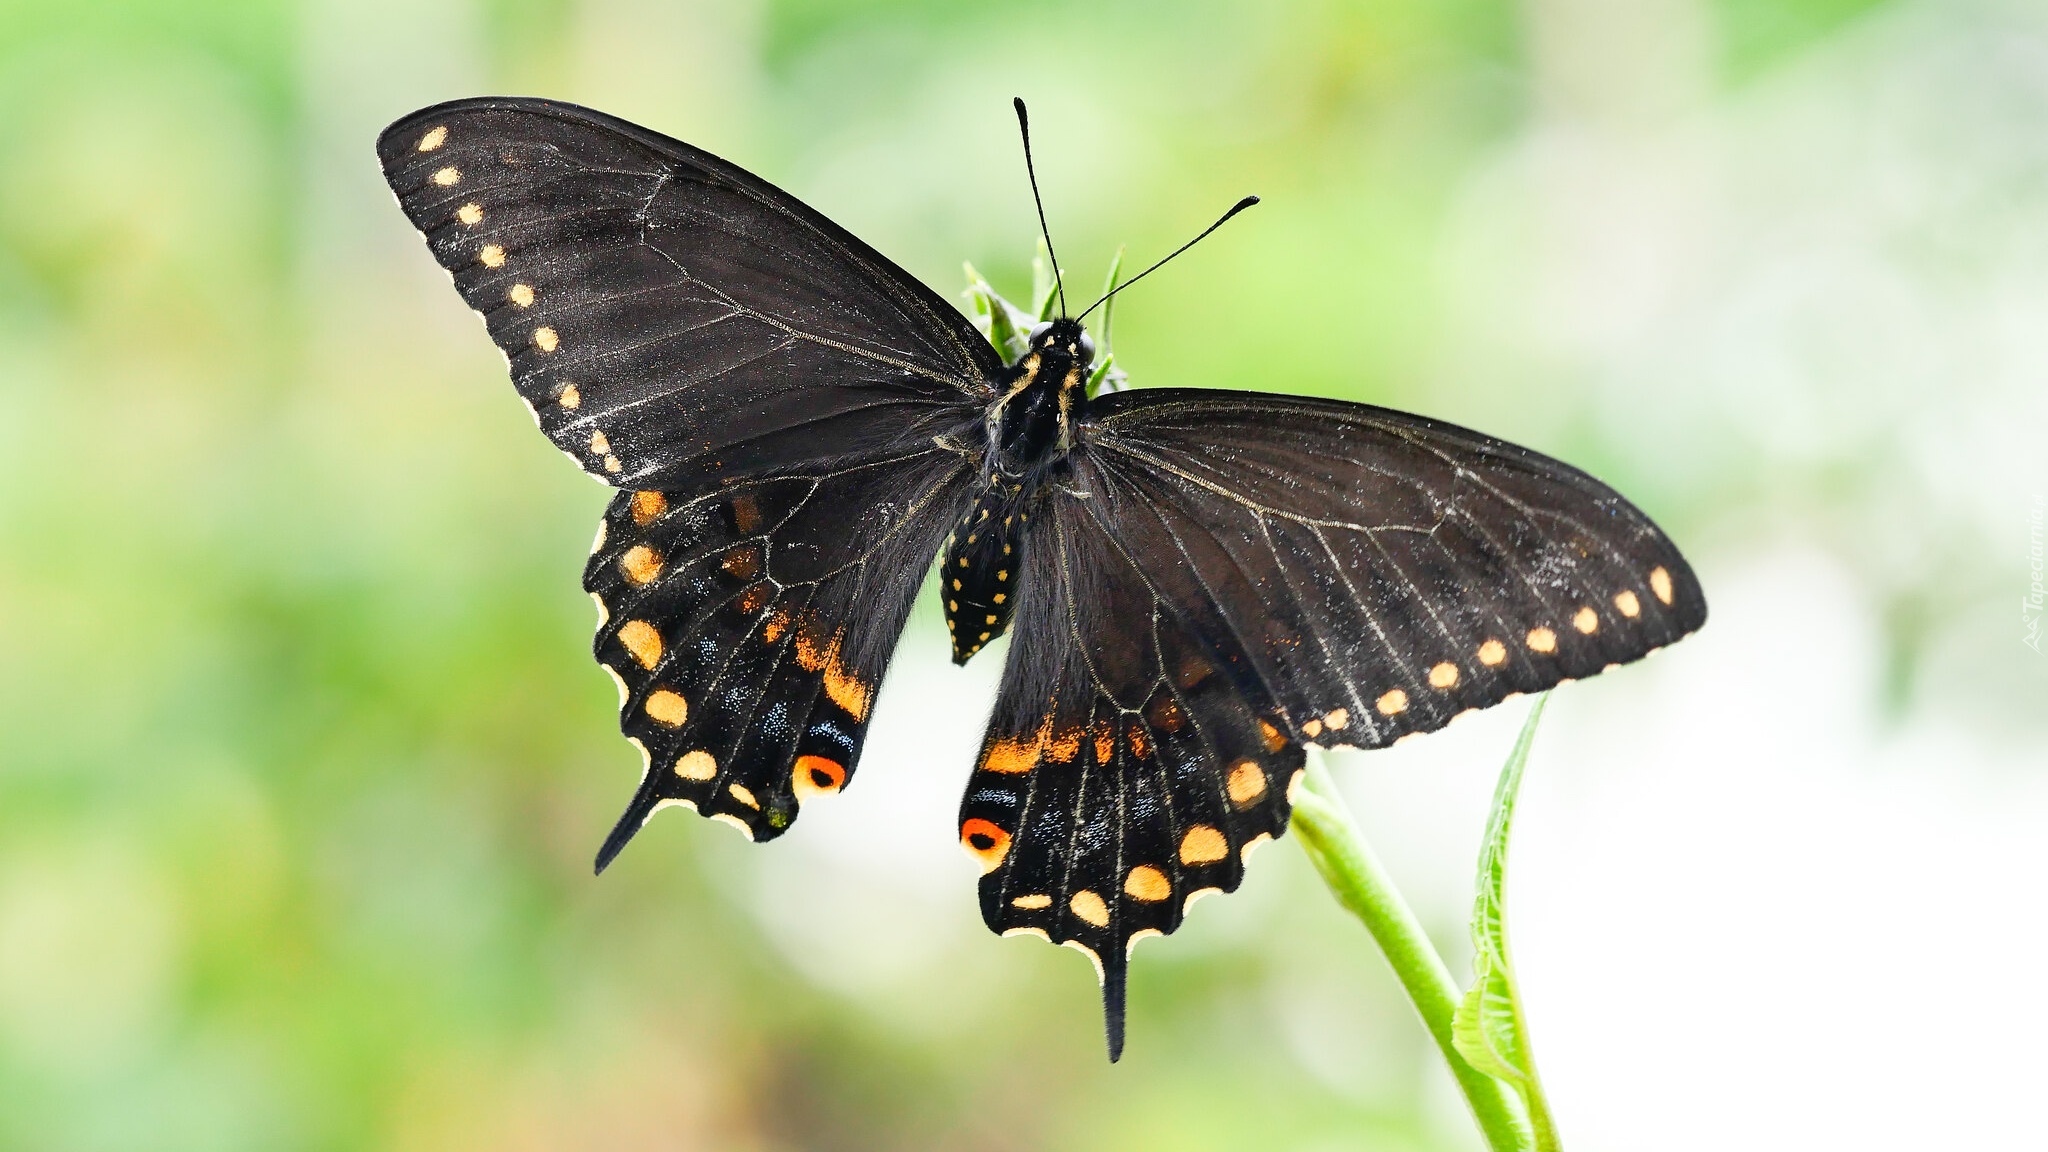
<point x="669" y="317"/>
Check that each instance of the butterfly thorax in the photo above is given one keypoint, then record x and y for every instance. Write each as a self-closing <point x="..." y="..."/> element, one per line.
<point x="1029" y="433"/>
<point x="1029" y="426"/>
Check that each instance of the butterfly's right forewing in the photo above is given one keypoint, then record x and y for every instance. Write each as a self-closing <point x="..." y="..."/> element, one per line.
<point x="669" y="317"/>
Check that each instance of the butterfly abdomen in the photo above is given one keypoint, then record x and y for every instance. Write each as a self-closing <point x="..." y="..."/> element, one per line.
<point x="983" y="558"/>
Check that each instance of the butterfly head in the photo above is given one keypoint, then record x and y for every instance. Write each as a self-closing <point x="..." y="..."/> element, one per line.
<point x="1063" y="339"/>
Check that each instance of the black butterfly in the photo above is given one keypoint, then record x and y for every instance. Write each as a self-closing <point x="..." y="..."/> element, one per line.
<point x="1200" y="582"/>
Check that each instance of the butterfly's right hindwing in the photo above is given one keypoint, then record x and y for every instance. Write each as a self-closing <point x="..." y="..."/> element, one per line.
<point x="749" y="628"/>
<point x="669" y="317"/>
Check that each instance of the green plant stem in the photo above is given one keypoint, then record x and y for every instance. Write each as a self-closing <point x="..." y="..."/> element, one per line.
<point x="1539" y="1118"/>
<point x="1360" y="883"/>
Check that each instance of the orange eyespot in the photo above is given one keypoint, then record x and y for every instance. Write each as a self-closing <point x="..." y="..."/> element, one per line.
<point x="816" y="776"/>
<point x="985" y="842"/>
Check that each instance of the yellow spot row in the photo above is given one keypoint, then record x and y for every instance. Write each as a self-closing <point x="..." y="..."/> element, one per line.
<point x="1246" y="783"/>
<point x="1143" y="883"/>
<point x="1089" y="907"/>
<point x="1492" y="653"/>
<point x="698" y="765"/>
<point x="668" y="708"/>
<point x="640" y="564"/>
<point x="647" y="507"/>
<point x="644" y="643"/>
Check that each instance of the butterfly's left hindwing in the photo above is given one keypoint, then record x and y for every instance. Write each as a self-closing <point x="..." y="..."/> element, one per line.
<point x="1124" y="773"/>
<point x="750" y="626"/>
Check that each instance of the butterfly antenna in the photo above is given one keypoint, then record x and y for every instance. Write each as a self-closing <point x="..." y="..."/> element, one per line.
<point x="1024" y="128"/>
<point x="1240" y="206"/>
<point x="1116" y="267"/>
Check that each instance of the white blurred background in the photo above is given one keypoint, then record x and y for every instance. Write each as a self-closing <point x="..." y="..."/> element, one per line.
<point x="302" y="761"/>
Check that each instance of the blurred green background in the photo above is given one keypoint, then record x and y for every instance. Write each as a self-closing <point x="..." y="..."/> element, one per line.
<point x="303" y="759"/>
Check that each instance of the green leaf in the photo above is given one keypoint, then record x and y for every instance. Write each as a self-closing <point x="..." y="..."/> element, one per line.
<point x="1488" y="1026"/>
<point x="1006" y="325"/>
<point x="1116" y="267"/>
<point x="1105" y="377"/>
<point x="1044" y="285"/>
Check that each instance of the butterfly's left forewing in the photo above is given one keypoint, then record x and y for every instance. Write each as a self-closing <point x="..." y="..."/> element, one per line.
<point x="1372" y="572"/>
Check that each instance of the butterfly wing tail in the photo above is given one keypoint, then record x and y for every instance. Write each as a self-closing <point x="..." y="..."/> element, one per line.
<point x="629" y="825"/>
<point x="1115" y="968"/>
